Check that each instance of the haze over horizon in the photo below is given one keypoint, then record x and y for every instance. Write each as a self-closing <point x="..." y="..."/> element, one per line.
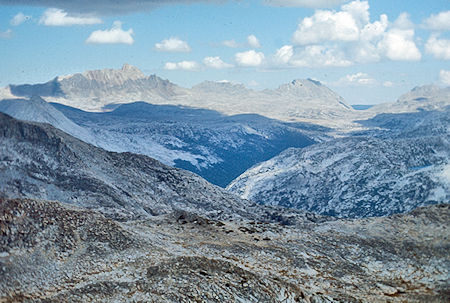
<point x="367" y="51"/>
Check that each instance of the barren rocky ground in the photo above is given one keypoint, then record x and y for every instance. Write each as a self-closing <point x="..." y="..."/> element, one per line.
<point x="51" y="252"/>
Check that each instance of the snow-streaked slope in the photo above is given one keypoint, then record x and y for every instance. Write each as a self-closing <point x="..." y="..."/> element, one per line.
<point x="387" y="172"/>
<point x="36" y="109"/>
<point x="217" y="147"/>
<point x="212" y="145"/>
<point x="40" y="161"/>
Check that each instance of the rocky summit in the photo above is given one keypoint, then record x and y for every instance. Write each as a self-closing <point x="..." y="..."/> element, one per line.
<point x="52" y="252"/>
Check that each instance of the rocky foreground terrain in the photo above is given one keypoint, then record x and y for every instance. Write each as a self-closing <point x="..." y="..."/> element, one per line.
<point x="52" y="252"/>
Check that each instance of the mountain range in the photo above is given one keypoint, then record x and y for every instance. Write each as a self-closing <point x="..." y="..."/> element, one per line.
<point x="381" y="154"/>
<point x="300" y="100"/>
<point x="40" y="161"/>
<point x="87" y="214"/>
<point x="217" y="147"/>
<point x="128" y="228"/>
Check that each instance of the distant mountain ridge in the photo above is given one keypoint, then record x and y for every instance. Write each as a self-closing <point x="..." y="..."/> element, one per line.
<point x="92" y="90"/>
<point x="299" y="100"/>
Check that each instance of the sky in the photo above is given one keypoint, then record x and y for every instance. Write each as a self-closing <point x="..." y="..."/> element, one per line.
<point x="367" y="51"/>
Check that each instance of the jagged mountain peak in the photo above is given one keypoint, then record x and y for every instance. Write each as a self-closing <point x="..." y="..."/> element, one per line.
<point x="130" y="68"/>
<point x="115" y="76"/>
<point x="302" y="86"/>
<point x="309" y="81"/>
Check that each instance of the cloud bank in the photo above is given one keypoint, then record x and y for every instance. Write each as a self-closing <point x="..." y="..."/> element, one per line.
<point x="6" y="34"/>
<point x="439" y="48"/>
<point x="249" y="58"/>
<point x="305" y="3"/>
<point x="439" y="22"/>
<point x="358" y="79"/>
<point x="253" y="41"/>
<point x="444" y="77"/>
<point x="103" y="7"/>
<point x="58" y="17"/>
<point x="215" y="62"/>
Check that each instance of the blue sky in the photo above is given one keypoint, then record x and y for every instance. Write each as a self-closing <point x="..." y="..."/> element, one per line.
<point x="367" y="51"/>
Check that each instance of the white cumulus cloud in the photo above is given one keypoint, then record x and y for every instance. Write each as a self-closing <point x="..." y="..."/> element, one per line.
<point x="183" y="65"/>
<point x="320" y="56"/>
<point x="249" y="58"/>
<point x="305" y="3"/>
<point x="173" y="44"/>
<point x="253" y="41"/>
<point x="215" y="62"/>
<point x="58" y="17"/>
<point x="398" y="42"/>
<point x="284" y="54"/>
<point x="439" y="22"/>
<point x="344" y="25"/>
<point x="439" y="48"/>
<point x="444" y="76"/>
<point x="398" y="45"/>
<point x="19" y="19"/>
<point x="358" y="79"/>
<point x="347" y="36"/>
<point x="115" y="35"/>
